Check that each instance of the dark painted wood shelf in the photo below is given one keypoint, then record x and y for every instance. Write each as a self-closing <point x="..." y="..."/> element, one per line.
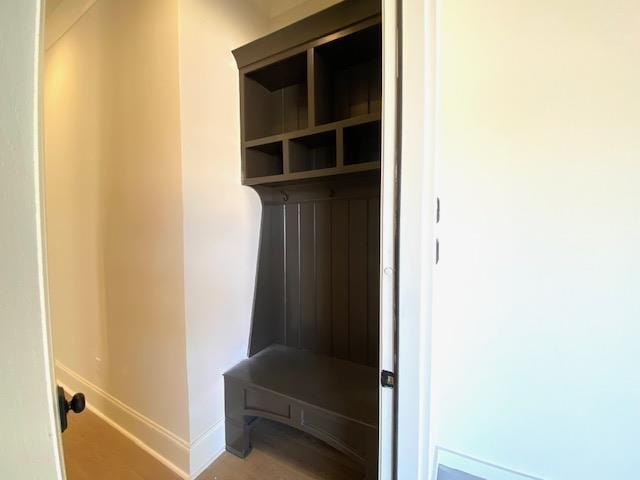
<point x="349" y="122"/>
<point x="272" y="160"/>
<point x="310" y="104"/>
<point x="294" y="104"/>
<point x="312" y="174"/>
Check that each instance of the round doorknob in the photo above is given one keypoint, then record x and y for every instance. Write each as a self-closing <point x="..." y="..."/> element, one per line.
<point x="77" y="403"/>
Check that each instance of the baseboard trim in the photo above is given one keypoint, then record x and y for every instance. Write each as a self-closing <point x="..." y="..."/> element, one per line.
<point x="206" y="449"/>
<point x="165" y="446"/>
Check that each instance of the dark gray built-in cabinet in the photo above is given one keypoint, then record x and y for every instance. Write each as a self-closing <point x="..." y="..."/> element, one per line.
<point x="310" y="108"/>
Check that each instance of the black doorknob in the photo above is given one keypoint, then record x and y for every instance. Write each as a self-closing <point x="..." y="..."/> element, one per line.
<point x="76" y="405"/>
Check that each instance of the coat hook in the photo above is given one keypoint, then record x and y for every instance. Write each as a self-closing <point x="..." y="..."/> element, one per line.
<point x="285" y="197"/>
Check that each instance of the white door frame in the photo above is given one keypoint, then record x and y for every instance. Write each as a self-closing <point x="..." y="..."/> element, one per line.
<point x="388" y="237"/>
<point x="407" y="200"/>
<point x="30" y="442"/>
<point x="416" y="236"/>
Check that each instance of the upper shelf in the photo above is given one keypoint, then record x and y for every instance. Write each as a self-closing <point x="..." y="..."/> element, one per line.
<point x="275" y="98"/>
<point x="316" y="110"/>
<point x="348" y="76"/>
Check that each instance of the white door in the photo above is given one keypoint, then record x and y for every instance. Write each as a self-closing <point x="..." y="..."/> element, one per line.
<point x="29" y="438"/>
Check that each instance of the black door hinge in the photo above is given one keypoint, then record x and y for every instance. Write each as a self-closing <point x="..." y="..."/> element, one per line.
<point x="387" y="379"/>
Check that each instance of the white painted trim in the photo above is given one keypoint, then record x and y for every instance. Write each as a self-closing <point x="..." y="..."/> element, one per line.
<point x="206" y="449"/>
<point x="388" y="267"/>
<point x="172" y="451"/>
<point x="416" y="238"/>
<point x="63" y="18"/>
<point x="165" y="446"/>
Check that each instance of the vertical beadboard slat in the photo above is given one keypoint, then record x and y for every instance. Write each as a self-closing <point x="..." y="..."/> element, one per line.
<point x="323" y="277"/>
<point x="373" y="281"/>
<point x="278" y="271"/>
<point x="340" y="278"/>
<point x="307" y="277"/>
<point x="292" y="276"/>
<point x="358" y="280"/>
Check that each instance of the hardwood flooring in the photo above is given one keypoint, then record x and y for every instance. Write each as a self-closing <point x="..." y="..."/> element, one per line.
<point x="94" y="450"/>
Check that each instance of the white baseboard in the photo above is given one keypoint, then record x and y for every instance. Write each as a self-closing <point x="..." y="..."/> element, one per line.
<point x="169" y="449"/>
<point x="207" y="448"/>
<point x="162" y="444"/>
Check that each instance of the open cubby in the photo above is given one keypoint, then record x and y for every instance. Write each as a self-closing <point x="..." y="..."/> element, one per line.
<point x="275" y="98"/>
<point x="313" y="152"/>
<point x="348" y="76"/>
<point x="362" y="143"/>
<point x="264" y="160"/>
<point x="312" y="149"/>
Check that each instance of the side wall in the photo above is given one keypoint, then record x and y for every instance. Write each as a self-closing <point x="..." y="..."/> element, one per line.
<point x="221" y="217"/>
<point x="535" y="334"/>
<point x="114" y="218"/>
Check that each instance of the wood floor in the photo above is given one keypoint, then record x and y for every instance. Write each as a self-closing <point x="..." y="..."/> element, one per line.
<point x="94" y="450"/>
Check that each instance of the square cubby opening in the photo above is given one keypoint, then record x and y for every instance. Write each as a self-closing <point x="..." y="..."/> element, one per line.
<point x="348" y="76"/>
<point x="313" y="152"/>
<point x="263" y="160"/>
<point x="362" y="143"/>
<point x="275" y="98"/>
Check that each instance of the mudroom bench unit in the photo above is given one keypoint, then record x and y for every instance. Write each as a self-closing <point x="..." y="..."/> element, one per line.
<point x="310" y="102"/>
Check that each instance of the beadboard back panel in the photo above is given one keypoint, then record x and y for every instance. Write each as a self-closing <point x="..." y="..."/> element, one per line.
<point x="317" y="286"/>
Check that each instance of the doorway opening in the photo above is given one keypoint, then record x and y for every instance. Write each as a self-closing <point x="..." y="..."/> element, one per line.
<point x="165" y="267"/>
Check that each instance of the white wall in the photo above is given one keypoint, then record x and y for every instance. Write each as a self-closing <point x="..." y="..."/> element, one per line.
<point x="221" y="217"/>
<point x="29" y="439"/>
<point x="535" y="333"/>
<point x="114" y="217"/>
